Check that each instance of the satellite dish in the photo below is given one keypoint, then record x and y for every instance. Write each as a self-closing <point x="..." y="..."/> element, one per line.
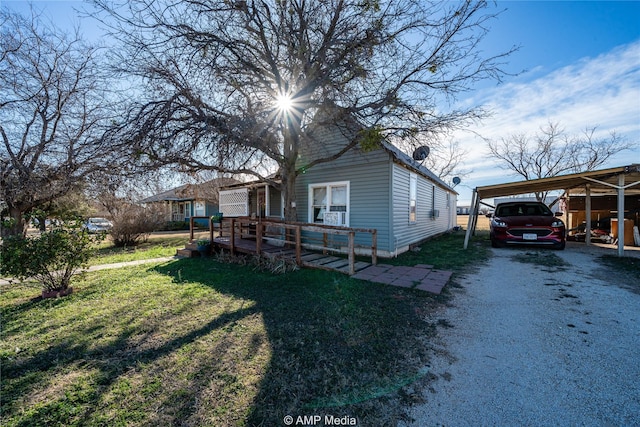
<point x="456" y="180"/>
<point x="421" y="153"/>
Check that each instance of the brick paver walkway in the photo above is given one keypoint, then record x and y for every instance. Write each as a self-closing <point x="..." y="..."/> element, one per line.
<point x="421" y="276"/>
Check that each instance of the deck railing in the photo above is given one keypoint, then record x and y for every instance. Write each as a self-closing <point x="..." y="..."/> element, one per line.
<point x="298" y="235"/>
<point x="210" y="223"/>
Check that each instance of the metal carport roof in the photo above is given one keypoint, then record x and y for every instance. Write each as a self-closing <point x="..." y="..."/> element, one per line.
<point x="613" y="181"/>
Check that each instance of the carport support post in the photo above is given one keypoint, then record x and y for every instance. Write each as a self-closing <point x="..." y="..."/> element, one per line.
<point x="621" y="215"/>
<point x="587" y="208"/>
<point x="470" y="223"/>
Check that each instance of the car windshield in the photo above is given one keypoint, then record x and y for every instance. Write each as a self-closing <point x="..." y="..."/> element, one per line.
<point x="524" y="209"/>
<point x="98" y="221"/>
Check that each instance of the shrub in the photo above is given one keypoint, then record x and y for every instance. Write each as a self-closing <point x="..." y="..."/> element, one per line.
<point x="52" y="257"/>
<point x="203" y="242"/>
<point x="133" y="224"/>
<point x="174" y="226"/>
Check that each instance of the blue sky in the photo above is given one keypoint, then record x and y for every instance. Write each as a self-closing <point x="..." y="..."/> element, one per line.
<point x="582" y="62"/>
<point x="578" y="65"/>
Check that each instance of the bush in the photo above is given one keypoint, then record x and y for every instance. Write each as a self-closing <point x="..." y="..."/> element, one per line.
<point x="52" y="257"/>
<point x="174" y="226"/>
<point x="133" y="224"/>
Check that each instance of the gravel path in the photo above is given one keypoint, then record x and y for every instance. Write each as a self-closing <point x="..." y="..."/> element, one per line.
<point x="538" y="346"/>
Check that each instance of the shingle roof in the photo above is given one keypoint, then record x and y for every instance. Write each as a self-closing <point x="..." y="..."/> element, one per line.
<point x="206" y="191"/>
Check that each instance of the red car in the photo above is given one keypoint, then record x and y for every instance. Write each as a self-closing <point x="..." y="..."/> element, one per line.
<point x="530" y="223"/>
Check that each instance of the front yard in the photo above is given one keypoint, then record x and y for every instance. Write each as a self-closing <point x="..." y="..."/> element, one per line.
<point x="198" y="342"/>
<point x="157" y="245"/>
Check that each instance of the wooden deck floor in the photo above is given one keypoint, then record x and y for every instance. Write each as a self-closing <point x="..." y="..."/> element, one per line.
<point x="308" y="259"/>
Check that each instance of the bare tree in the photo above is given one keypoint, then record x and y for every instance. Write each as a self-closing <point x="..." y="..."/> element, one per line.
<point x="238" y="86"/>
<point x="52" y="113"/>
<point x="446" y="160"/>
<point x="552" y="152"/>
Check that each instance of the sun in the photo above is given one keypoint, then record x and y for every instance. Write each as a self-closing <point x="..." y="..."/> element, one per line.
<point x="284" y="102"/>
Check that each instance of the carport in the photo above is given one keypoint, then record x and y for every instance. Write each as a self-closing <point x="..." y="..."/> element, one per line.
<point x="605" y="181"/>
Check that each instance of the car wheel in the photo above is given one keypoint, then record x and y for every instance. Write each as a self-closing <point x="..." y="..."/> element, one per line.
<point x="560" y="246"/>
<point x="494" y="243"/>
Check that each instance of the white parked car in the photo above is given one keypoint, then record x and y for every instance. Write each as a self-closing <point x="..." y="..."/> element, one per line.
<point x="98" y="225"/>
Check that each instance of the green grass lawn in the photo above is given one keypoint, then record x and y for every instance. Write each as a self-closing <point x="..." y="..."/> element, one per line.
<point x="197" y="342"/>
<point x="156" y="246"/>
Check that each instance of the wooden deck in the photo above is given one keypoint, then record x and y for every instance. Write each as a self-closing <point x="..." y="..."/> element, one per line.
<point x="307" y="258"/>
<point x="279" y="239"/>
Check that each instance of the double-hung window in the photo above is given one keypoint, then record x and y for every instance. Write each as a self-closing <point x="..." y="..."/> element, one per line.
<point x="329" y="203"/>
<point x="200" y="209"/>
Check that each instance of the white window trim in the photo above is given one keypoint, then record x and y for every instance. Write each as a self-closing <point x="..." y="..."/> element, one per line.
<point x="413" y="182"/>
<point x="328" y="186"/>
<point x="199" y="208"/>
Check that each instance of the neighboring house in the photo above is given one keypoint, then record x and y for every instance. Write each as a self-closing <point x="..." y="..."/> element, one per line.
<point x="181" y="203"/>
<point x="381" y="188"/>
<point x="463" y="210"/>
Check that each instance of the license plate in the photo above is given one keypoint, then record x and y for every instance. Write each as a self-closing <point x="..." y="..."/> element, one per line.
<point x="530" y="236"/>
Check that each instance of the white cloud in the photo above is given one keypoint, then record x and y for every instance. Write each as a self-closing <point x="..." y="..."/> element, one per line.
<point x="603" y="91"/>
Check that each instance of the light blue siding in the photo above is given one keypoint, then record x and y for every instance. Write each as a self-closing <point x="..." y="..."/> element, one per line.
<point x="368" y="195"/>
<point x="379" y="193"/>
<point x="430" y="197"/>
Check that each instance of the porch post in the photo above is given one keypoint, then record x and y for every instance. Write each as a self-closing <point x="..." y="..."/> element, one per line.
<point x="374" y="246"/>
<point x="232" y="237"/>
<point x="298" y="245"/>
<point x="267" y="201"/>
<point x="259" y="226"/>
<point x="621" y="215"/>
<point x="587" y="208"/>
<point x="352" y="256"/>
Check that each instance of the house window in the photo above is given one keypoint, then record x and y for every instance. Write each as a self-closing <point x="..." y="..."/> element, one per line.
<point x="329" y="203"/>
<point x="200" y="209"/>
<point x="413" y="198"/>
<point x="181" y="210"/>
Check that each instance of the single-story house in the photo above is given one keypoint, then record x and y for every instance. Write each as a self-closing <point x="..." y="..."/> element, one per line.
<point x="463" y="210"/>
<point x="380" y="188"/>
<point x="185" y="201"/>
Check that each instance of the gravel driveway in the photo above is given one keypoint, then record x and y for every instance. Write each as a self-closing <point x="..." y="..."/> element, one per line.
<point x="537" y="345"/>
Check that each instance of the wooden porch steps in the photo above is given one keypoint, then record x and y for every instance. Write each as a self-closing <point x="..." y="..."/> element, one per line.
<point x="187" y="253"/>
<point x="190" y="250"/>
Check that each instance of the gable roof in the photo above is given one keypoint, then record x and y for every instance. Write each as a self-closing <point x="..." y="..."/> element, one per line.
<point x="409" y="162"/>
<point x="351" y="126"/>
<point x="205" y="191"/>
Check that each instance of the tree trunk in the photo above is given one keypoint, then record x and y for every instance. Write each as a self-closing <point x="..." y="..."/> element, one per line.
<point x="42" y="223"/>
<point x="16" y="226"/>
<point x="289" y="193"/>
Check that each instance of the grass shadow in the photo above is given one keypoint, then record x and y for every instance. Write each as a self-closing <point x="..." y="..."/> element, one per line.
<point x="338" y="346"/>
<point x="197" y="342"/>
